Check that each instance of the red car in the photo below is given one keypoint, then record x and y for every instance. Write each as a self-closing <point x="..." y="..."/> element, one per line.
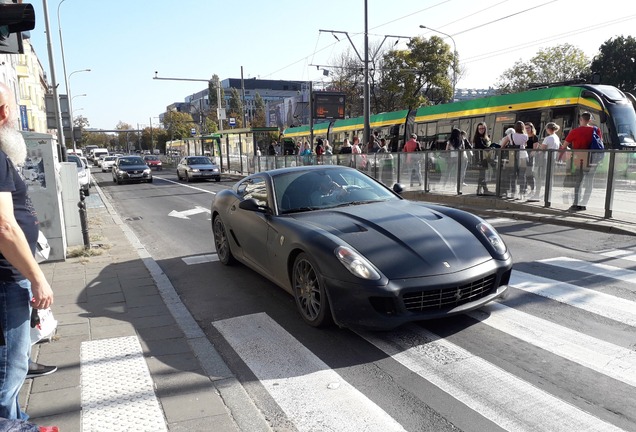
<point x="153" y="162"/>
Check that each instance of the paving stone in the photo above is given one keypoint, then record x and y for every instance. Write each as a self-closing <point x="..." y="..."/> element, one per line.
<point x="112" y="331"/>
<point x="189" y="406"/>
<point x="167" y="364"/>
<point x="55" y="402"/>
<point x="219" y="423"/>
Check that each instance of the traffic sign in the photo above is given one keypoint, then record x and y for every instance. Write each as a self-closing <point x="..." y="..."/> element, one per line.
<point x="193" y="131"/>
<point x="232" y="121"/>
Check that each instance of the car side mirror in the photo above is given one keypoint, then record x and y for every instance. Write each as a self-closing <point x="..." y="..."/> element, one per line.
<point x="252" y="205"/>
<point x="398" y="188"/>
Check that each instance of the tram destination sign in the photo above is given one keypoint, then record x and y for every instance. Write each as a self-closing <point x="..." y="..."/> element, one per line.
<point x="328" y="105"/>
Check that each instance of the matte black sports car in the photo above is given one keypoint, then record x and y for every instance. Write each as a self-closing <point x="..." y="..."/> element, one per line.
<point x="351" y="250"/>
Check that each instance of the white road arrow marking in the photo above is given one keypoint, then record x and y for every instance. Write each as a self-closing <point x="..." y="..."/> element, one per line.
<point x="185" y="213"/>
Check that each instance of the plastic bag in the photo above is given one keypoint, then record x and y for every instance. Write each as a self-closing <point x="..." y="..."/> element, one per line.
<point x="46" y="328"/>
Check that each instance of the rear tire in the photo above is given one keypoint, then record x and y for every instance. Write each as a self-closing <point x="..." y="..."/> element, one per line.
<point x="310" y="294"/>
<point x="221" y="242"/>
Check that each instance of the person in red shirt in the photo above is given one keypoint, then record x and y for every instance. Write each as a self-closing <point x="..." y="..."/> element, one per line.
<point x="413" y="161"/>
<point x="580" y="139"/>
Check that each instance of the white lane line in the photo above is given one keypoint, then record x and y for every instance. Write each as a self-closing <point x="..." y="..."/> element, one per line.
<point x="117" y="390"/>
<point x="200" y="259"/>
<point x="606" y="305"/>
<point x="185" y="185"/>
<point x="594" y="268"/>
<point x="499" y="396"/>
<point x="312" y="395"/>
<point x="622" y="254"/>
<point x="603" y="357"/>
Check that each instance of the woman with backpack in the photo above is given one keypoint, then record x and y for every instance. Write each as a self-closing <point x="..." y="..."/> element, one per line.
<point x="517" y="140"/>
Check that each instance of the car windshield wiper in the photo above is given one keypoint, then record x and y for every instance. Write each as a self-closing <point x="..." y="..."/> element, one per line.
<point x="352" y="203"/>
<point x="299" y="210"/>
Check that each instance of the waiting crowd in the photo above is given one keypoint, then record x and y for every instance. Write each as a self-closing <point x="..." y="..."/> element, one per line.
<point x="523" y="156"/>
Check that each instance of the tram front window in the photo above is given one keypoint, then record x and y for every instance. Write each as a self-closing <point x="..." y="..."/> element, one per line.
<point x="625" y="122"/>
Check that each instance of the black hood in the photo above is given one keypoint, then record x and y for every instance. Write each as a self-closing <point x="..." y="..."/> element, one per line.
<point x="403" y="239"/>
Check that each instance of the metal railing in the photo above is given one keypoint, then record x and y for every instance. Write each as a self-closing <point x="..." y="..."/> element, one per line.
<point x="608" y="186"/>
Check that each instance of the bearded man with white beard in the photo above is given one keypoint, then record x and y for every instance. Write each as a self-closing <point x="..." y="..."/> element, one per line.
<point x="22" y="282"/>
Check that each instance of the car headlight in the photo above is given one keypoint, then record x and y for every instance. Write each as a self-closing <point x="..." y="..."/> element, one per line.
<point x="82" y="174"/>
<point x="492" y="236"/>
<point x="356" y="263"/>
<point x="147" y="171"/>
<point x="194" y="170"/>
<point x="215" y="170"/>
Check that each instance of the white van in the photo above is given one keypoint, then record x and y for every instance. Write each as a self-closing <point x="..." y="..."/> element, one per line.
<point x="96" y="153"/>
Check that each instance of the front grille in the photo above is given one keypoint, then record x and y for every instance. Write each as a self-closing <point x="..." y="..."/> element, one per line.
<point x="448" y="298"/>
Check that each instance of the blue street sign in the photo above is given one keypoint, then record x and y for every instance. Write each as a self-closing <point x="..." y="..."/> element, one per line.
<point x="232" y="121"/>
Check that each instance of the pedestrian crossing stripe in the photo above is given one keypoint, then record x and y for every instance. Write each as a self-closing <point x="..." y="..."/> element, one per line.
<point x="593" y="268"/>
<point x="602" y="304"/>
<point x="603" y="357"/>
<point x="496" y="394"/>
<point x="312" y="395"/>
<point x="622" y="254"/>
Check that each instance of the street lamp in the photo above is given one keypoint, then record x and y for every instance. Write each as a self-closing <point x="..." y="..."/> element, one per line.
<point x="454" y="55"/>
<point x="70" y="100"/>
<point x="67" y="77"/>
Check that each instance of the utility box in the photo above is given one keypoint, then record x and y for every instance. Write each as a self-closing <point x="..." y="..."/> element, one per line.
<point x="41" y="175"/>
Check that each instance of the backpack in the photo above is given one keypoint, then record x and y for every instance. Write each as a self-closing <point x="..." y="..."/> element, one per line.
<point x="597" y="145"/>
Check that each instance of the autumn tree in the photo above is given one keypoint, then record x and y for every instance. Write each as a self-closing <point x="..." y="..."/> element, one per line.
<point x="347" y="76"/>
<point x="177" y="124"/>
<point x="616" y="63"/>
<point x="555" y="64"/>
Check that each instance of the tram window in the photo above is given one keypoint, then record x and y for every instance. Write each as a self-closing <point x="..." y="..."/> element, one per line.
<point x="431" y="129"/>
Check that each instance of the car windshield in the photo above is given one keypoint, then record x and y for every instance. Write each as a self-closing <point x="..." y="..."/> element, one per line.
<point x="110" y="158"/>
<point x="199" y="161"/>
<point x="152" y="158"/>
<point x="318" y="189"/>
<point x="131" y="161"/>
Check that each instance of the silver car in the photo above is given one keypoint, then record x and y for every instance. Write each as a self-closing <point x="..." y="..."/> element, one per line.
<point x="198" y="168"/>
<point x="83" y="173"/>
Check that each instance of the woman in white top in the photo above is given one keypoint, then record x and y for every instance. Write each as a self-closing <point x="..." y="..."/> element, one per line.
<point x="518" y="139"/>
<point x="550" y="142"/>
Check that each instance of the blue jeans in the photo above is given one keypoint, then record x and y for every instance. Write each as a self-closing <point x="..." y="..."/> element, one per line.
<point x="15" y="316"/>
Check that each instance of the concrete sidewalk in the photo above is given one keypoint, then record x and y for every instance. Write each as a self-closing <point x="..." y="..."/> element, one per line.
<point x="129" y="354"/>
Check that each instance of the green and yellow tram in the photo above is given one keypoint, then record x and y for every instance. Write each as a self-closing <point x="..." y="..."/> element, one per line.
<point x="612" y="110"/>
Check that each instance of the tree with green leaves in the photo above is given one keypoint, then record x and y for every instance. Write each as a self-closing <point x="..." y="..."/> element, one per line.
<point x="419" y="75"/>
<point x="259" y="111"/>
<point x="555" y="64"/>
<point x="616" y="63"/>
<point x="236" y="107"/>
<point x="177" y="124"/>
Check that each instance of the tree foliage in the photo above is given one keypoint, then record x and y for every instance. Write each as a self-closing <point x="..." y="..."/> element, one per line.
<point x="258" y="119"/>
<point x="555" y="64"/>
<point x="348" y="78"/>
<point x="616" y="63"/>
<point x="177" y="124"/>
<point x="420" y="75"/>
<point x="236" y="107"/>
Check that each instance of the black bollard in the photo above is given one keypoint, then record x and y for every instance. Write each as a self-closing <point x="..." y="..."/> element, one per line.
<point x="84" y="220"/>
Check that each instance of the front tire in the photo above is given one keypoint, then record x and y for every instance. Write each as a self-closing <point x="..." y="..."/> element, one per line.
<point x="309" y="293"/>
<point x="221" y="242"/>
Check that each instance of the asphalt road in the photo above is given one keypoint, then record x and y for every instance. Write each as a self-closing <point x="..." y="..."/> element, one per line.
<point x="558" y="354"/>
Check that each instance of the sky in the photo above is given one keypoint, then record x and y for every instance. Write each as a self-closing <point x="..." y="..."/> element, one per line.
<point x="126" y="42"/>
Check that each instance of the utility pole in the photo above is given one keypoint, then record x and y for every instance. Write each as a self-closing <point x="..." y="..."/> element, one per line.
<point x="243" y="99"/>
<point x="61" y="145"/>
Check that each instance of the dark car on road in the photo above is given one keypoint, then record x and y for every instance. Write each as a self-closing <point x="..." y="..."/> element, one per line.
<point x="353" y="251"/>
<point x="153" y="162"/>
<point x="198" y="168"/>
<point x="131" y="169"/>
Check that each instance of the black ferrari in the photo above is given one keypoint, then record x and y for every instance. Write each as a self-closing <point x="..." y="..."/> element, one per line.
<point x="353" y="251"/>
